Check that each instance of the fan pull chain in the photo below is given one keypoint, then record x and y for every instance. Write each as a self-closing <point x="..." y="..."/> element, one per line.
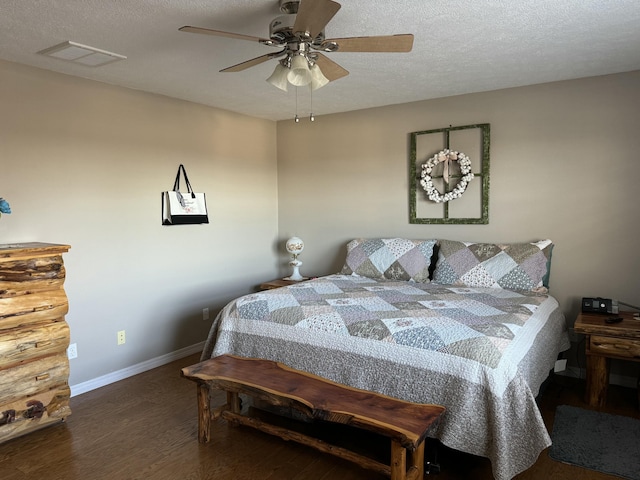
<point x="312" y="117"/>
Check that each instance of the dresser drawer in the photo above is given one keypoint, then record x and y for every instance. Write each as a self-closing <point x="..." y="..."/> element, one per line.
<point x="22" y="416"/>
<point x="615" y="347"/>
<point x="31" y="275"/>
<point x="30" y="378"/>
<point x="23" y="344"/>
<point x="37" y="307"/>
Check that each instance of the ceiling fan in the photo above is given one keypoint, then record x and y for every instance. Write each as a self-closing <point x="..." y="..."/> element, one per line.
<point x="299" y="34"/>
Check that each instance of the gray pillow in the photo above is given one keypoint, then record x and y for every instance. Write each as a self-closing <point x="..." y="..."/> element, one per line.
<point x="517" y="266"/>
<point x="389" y="258"/>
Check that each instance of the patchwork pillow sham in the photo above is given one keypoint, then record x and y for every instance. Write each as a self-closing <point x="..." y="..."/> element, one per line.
<point x="517" y="266"/>
<point x="390" y="258"/>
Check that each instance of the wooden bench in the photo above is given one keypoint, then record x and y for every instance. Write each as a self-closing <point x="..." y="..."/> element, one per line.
<point x="405" y="423"/>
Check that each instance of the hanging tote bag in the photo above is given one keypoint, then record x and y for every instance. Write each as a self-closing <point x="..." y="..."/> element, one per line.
<point x="183" y="208"/>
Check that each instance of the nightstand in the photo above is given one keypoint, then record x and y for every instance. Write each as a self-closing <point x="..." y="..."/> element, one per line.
<point x="603" y="342"/>
<point x="279" y="282"/>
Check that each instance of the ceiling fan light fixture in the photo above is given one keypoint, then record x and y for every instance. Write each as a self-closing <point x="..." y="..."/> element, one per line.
<point x="300" y="33"/>
<point x="318" y="79"/>
<point x="279" y="77"/>
<point x="299" y="75"/>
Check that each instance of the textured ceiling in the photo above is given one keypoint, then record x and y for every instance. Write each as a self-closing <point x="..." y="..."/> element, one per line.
<point x="460" y="47"/>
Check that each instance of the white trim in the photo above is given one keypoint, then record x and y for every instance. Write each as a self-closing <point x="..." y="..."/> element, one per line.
<point x="614" y="379"/>
<point x="116" y="376"/>
<point x="113" y="377"/>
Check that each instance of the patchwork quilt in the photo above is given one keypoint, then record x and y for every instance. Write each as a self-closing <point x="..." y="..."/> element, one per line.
<point x="481" y="352"/>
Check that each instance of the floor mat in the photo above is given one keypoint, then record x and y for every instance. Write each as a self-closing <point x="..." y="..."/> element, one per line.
<point x="597" y="441"/>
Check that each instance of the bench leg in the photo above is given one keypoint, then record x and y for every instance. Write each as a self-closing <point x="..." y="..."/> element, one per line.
<point x="233" y="402"/>
<point x="398" y="461"/>
<point x="416" y="461"/>
<point x="204" y="413"/>
<point x="400" y="469"/>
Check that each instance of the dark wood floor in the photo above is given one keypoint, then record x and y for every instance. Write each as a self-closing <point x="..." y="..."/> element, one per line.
<point x="145" y="427"/>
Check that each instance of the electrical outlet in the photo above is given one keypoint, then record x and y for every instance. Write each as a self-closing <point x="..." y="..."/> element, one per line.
<point x="121" y="338"/>
<point x="205" y="314"/>
<point x="72" y="351"/>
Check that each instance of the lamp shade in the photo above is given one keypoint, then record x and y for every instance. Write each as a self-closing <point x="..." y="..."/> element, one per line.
<point x="295" y="246"/>
<point x="299" y="75"/>
<point x="279" y="77"/>
<point x="317" y="78"/>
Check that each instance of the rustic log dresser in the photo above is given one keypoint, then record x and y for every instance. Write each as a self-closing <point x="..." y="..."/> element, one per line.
<point x="34" y="336"/>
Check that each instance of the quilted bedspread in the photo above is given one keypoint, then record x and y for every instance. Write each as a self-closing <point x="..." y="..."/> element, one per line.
<point x="481" y="352"/>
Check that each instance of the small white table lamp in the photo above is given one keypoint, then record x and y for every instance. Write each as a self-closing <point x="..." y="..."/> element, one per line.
<point x="295" y="246"/>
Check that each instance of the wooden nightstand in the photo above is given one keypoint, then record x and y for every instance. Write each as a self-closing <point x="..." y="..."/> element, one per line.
<point x="603" y="342"/>
<point x="279" y="282"/>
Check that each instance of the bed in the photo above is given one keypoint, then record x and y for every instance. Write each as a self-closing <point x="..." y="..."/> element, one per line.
<point x="470" y="326"/>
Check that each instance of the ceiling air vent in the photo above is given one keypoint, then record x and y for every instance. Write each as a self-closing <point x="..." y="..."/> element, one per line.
<point x="78" y="53"/>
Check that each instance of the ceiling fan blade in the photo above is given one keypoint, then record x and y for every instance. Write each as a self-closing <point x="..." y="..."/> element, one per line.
<point x="219" y="33"/>
<point x="329" y="68"/>
<point x="385" y="43"/>
<point x="252" y="63"/>
<point x="313" y="16"/>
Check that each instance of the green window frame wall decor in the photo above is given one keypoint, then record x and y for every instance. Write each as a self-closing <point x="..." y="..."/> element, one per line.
<point x="473" y="206"/>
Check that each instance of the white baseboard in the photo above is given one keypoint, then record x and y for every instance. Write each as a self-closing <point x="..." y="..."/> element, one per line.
<point x="113" y="377"/>
<point x="614" y="379"/>
<point x="623" y="380"/>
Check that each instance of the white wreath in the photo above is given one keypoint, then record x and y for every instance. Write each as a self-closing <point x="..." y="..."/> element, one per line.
<point x="446" y="156"/>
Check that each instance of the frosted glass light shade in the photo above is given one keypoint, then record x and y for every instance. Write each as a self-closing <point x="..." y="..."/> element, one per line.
<point x="317" y="78"/>
<point x="279" y="77"/>
<point x="295" y="246"/>
<point x="299" y="75"/>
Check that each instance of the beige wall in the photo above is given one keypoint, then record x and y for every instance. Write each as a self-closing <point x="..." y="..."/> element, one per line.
<point x="84" y="163"/>
<point x="565" y="165"/>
